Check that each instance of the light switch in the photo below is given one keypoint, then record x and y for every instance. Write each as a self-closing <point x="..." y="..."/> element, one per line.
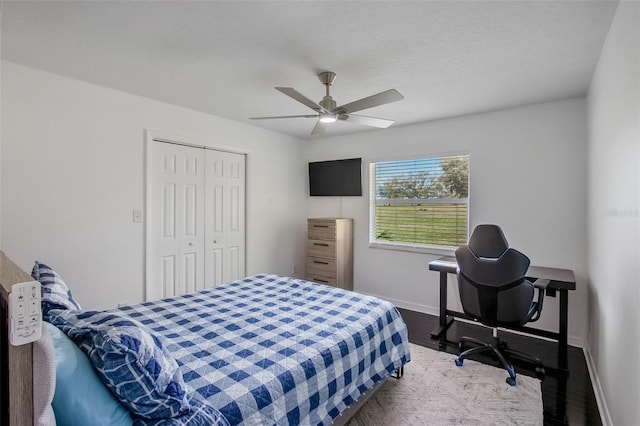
<point x="137" y="216"/>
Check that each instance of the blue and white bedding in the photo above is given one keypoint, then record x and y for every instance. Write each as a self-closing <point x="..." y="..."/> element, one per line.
<point x="271" y="350"/>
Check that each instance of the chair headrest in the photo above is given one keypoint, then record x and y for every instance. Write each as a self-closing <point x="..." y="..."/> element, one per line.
<point x="510" y="267"/>
<point x="488" y="241"/>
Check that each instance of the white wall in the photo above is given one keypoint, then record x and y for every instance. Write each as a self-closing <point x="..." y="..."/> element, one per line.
<point x="614" y="216"/>
<point x="72" y="171"/>
<point x="527" y="174"/>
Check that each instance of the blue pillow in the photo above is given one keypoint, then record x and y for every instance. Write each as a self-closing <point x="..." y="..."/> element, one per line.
<point x="131" y="361"/>
<point x="80" y="396"/>
<point x="55" y="293"/>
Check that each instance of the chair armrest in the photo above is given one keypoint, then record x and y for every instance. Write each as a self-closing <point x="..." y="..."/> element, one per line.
<point x="541" y="285"/>
<point x="448" y="266"/>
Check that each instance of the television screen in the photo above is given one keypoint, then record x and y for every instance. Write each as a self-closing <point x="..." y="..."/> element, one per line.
<point x="336" y="178"/>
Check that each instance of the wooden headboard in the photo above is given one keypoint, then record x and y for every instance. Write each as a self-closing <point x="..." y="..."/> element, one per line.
<point x="16" y="362"/>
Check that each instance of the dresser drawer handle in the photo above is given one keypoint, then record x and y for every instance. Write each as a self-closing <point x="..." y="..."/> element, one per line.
<point x="321" y="263"/>
<point x="321" y="244"/>
<point x="318" y="280"/>
<point x="320" y="226"/>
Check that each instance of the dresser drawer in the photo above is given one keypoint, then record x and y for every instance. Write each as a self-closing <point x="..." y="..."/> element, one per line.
<point x="320" y="248"/>
<point x="321" y="266"/>
<point x="319" y="229"/>
<point x="322" y="280"/>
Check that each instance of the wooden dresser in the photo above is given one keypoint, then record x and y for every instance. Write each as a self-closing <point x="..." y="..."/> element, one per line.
<point x="330" y="251"/>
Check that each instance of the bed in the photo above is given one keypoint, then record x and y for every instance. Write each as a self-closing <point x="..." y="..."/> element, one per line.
<point x="262" y="350"/>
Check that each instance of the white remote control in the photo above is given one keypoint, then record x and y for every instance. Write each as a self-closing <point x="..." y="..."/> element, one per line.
<point x="25" y="313"/>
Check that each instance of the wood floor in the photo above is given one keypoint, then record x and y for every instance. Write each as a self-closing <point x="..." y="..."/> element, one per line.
<point x="567" y="397"/>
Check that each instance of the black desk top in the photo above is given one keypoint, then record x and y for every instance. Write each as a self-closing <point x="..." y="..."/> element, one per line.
<point x="559" y="279"/>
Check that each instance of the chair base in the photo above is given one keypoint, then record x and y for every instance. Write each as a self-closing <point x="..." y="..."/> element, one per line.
<point x="502" y="352"/>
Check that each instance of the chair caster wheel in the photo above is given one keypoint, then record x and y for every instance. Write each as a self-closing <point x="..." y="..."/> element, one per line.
<point x="511" y="381"/>
<point x="540" y="372"/>
<point x="459" y="362"/>
<point x="461" y="347"/>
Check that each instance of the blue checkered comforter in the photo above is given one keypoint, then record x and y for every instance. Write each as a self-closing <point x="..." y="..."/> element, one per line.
<point x="270" y="350"/>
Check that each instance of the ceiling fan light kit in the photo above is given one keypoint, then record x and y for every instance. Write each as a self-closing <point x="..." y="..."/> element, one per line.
<point x="328" y="112"/>
<point x="328" y="117"/>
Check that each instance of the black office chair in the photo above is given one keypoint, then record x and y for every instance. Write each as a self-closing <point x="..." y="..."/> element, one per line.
<point x="494" y="291"/>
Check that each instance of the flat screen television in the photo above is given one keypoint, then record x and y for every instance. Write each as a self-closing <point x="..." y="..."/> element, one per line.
<point x="336" y="178"/>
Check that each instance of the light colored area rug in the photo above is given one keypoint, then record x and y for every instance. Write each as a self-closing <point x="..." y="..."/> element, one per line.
<point x="434" y="391"/>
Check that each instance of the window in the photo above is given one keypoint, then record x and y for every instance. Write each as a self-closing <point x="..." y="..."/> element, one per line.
<point x="420" y="204"/>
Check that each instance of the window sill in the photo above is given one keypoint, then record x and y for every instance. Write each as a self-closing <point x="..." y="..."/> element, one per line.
<point x="439" y="251"/>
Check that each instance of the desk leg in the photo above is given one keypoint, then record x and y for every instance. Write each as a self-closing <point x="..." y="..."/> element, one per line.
<point x="443" y="322"/>
<point x="563" y="331"/>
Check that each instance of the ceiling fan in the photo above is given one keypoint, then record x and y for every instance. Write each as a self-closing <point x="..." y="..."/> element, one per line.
<point x="327" y="112"/>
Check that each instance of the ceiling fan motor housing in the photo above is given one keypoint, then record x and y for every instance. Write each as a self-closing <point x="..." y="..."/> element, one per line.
<point x="327" y="78"/>
<point x="328" y="103"/>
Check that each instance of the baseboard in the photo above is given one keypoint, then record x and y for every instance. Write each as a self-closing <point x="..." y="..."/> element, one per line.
<point x="575" y="341"/>
<point x="605" y="416"/>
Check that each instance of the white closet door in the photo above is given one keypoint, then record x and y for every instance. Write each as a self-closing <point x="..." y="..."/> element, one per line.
<point x="196" y="218"/>
<point x="225" y="217"/>
<point x="176" y="246"/>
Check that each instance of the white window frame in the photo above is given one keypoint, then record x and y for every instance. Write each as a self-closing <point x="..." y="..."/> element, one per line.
<point x="407" y="246"/>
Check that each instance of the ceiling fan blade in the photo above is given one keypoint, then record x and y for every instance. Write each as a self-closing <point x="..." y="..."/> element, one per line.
<point x="285" y="116"/>
<point x="391" y="95"/>
<point x="382" y="123"/>
<point x="320" y="127"/>
<point x="293" y="93"/>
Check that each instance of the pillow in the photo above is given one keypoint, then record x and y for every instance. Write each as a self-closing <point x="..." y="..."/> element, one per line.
<point x="44" y="378"/>
<point x="130" y="360"/>
<point x="55" y="293"/>
<point x="80" y="397"/>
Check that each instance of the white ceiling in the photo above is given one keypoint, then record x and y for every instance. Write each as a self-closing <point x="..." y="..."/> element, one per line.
<point x="225" y="57"/>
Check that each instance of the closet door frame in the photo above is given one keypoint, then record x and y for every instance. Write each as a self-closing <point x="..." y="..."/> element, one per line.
<point x="151" y="289"/>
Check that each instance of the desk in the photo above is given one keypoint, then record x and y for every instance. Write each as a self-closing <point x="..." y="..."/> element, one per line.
<point x="560" y="280"/>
